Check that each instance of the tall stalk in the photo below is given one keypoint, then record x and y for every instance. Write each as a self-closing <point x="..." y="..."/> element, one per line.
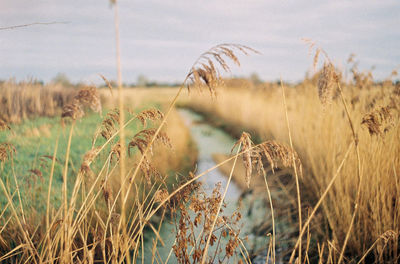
<point x="355" y="138"/>
<point x="294" y="167"/>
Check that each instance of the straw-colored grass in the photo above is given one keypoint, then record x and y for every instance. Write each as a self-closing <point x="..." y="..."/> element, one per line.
<point x="20" y="101"/>
<point x="321" y="135"/>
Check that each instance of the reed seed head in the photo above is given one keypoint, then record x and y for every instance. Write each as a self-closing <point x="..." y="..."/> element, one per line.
<point x="378" y="121"/>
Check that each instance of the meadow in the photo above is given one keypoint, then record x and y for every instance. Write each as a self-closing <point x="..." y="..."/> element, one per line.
<point x="84" y="179"/>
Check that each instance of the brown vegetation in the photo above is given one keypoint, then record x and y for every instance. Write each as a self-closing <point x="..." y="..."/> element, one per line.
<point x="321" y="134"/>
<point x="19" y="101"/>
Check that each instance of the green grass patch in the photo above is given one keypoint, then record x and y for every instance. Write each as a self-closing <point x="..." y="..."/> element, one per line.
<point x="34" y="140"/>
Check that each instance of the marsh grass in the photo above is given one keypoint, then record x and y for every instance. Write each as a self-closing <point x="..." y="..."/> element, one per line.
<point x="93" y="221"/>
<point x="120" y="189"/>
<point x="20" y="101"/>
<point x="351" y="193"/>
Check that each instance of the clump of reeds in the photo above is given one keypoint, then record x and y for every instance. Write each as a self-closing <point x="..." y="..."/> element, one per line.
<point x="86" y="97"/>
<point x="275" y="153"/>
<point x="378" y="121"/>
<point x="91" y="224"/>
<point x="194" y="213"/>
<point x="23" y="100"/>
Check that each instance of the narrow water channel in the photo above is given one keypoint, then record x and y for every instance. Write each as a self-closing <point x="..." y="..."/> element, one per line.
<point x="209" y="140"/>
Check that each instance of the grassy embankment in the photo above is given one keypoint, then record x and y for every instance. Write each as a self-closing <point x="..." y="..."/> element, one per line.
<point x="35" y="128"/>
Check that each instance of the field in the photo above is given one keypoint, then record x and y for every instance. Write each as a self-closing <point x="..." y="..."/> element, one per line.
<point x="214" y="170"/>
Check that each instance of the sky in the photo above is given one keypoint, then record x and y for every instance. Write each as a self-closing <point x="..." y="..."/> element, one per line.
<point x="162" y="38"/>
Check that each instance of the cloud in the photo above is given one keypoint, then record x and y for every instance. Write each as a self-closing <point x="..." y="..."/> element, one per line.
<point x="161" y="38"/>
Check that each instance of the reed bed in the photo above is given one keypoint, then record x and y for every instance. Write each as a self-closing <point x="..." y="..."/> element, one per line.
<point x="322" y="136"/>
<point x="103" y="214"/>
<point x="340" y="140"/>
<point x="23" y="100"/>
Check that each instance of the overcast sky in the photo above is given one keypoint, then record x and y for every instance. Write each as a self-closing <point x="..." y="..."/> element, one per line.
<point x="161" y="38"/>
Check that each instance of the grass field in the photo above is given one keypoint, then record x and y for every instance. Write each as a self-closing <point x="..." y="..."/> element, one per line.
<point x="322" y="136"/>
<point x="83" y="180"/>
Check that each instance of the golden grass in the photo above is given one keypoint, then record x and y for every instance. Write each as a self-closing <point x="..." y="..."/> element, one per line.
<point x="104" y="212"/>
<point x="19" y="101"/>
<point x="321" y="135"/>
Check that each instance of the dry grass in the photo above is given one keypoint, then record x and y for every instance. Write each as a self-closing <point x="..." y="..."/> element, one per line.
<point x="321" y="135"/>
<point x="105" y="209"/>
<point x="23" y="100"/>
<point x="103" y="213"/>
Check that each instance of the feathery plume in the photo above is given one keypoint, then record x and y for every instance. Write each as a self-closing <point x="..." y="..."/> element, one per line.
<point x="150" y="114"/>
<point x="7" y="151"/>
<point x="326" y="82"/>
<point x="378" y="121"/>
<point x="74" y="111"/>
<point x="205" y="69"/>
<point x="108" y="84"/>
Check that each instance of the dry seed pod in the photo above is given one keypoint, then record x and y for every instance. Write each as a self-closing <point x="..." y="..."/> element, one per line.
<point x="89" y="97"/>
<point x="326" y="83"/>
<point x="160" y="195"/>
<point x="246" y="144"/>
<point x="150" y="114"/>
<point x="205" y="70"/>
<point x="108" y="83"/>
<point x="74" y="111"/>
<point x="116" y="151"/>
<point x="378" y="121"/>
<point x="142" y="139"/>
<point x="149" y="171"/>
<point x="87" y="160"/>
<point x="276" y="152"/>
<point x="107" y="194"/>
<point x="7" y="151"/>
<point x="109" y="124"/>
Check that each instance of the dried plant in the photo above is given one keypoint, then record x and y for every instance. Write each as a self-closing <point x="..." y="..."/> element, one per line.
<point x="360" y="79"/>
<point x="108" y="84"/>
<point x="247" y="144"/>
<point x="4" y="125"/>
<point x="86" y="97"/>
<point x="88" y="158"/>
<point x="149" y="171"/>
<point x="7" y="151"/>
<point x="328" y="76"/>
<point x="150" y="114"/>
<point x="110" y="124"/>
<point x="378" y="121"/>
<point x="27" y="99"/>
<point x="274" y="152"/>
<point x="142" y="139"/>
<point x="74" y="111"/>
<point x="326" y="83"/>
<point x="194" y="223"/>
<point x="161" y="195"/>
<point x="89" y="97"/>
<point x="37" y="172"/>
<point x="107" y="194"/>
<point x="49" y="157"/>
<point x="116" y="151"/>
<point x="205" y="69"/>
